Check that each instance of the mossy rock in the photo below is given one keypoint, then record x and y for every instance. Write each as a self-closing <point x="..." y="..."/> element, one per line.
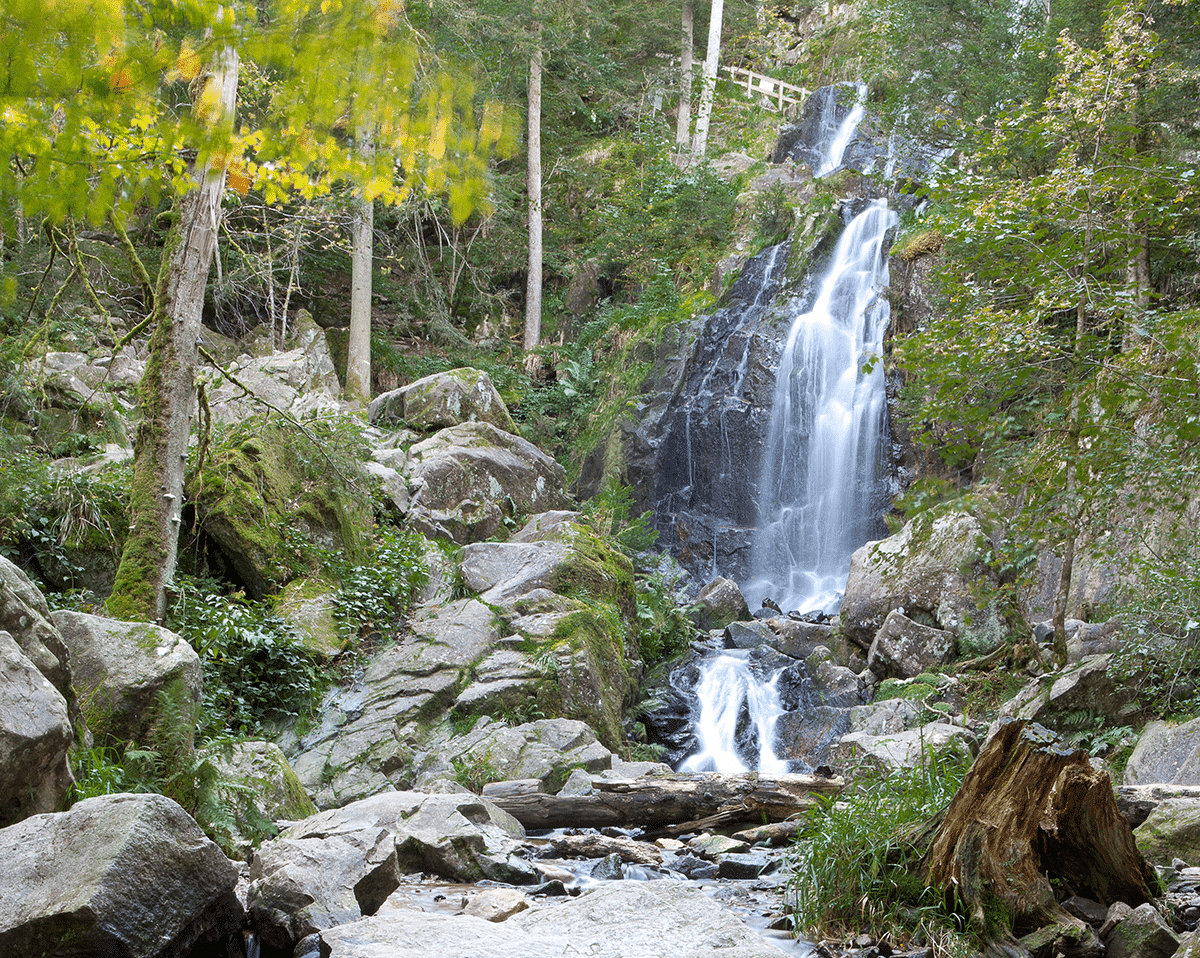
<point x="307" y="605"/>
<point x="258" y="494"/>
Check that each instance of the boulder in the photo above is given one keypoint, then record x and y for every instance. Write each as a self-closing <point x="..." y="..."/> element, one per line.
<point x="799" y="639"/>
<point x="266" y="485"/>
<point x="929" y="569"/>
<point x="123" y="669"/>
<point x="546" y="750"/>
<point x="748" y="635"/>
<point x="443" y="399"/>
<point x="124" y="875"/>
<point x="263" y="768"/>
<point x="1085" y="687"/>
<point x="903" y="648"/>
<point x="1172" y="830"/>
<point x="366" y="735"/>
<point x="299" y="380"/>
<point x="720" y="603"/>
<point x="307" y="606"/>
<point x="35" y="733"/>
<point x="1143" y="934"/>
<point x="466" y="480"/>
<point x="1166" y="754"/>
<point x="26" y="617"/>
<point x="615" y="920"/>
<point x="496" y="904"/>
<point x="339" y="865"/>
<point x="898" y="750"/>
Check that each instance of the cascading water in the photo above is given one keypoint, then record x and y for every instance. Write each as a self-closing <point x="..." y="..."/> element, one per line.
<point x="822" y="470"/>
<point x="822" y="483"/>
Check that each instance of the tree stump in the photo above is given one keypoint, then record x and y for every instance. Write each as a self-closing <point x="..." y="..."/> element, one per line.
<point x="1031" y="813"/>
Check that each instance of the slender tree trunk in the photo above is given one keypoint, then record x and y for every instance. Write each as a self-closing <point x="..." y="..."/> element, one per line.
<point x="358" y="351"/>
<point x="700" y="142"/>
<point x="683" y="122"/>
<point x="168" y="387"/>
<point x="533" y="184"/>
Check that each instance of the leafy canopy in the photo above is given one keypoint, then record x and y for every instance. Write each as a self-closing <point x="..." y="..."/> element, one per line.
<point x="96" y="103"/>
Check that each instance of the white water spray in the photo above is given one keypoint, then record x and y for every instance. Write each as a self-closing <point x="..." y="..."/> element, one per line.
<point x="823" y="464"/>
<point x="727" y="688"/>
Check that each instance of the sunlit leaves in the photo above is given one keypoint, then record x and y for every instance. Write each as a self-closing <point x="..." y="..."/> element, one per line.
<point x="99" y="119"/>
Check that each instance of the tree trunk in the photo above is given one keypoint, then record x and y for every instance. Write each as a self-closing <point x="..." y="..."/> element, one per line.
<point x="684" y="800"/>
<point x="533" y="185"/>
<point x="683" y="122"/>
<point x="168" y="387"/>
<point x="358" y="350"/>
<point x="1029" y="813"/>
<point x="700" y="143"/>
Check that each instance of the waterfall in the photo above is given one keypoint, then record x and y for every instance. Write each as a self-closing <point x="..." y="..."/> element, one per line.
<point x="822" y="474"/>
<point x="822" y="482"/>
<point x="728" y="687"/>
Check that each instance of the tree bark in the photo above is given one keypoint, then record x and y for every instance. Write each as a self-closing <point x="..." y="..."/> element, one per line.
<point x="168" y="387"/>
<point x="1031" y="812"/>
<point x="683" y="121"/>
<point x="684" y="800"/>
<point x="533" y="185"/>
<point x="358" y="350"/>
<point x="700" y="142"/>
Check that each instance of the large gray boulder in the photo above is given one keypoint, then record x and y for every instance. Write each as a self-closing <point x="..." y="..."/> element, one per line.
<point x="26" y="617"/>
<point x="905" y="649"/>
<point x="35" y="733"/>
<point x="121" y="669"/>
<point x="1143" y="934"/>
<point x="443" y="399"/>
<point x="899" y="750"/>
<point x="339" y="865"/>
<point x="300" y="379"/>
<point x="928" y="570"/>
<point x="468" y="479"/>
<point x="366" y="735"/>
<point x="1172" y="830"/>
<point x="127" y="876"/>
<point x="546" y="750"/>
<point x="1166" y="754"/>
<point x="1088" y="686"/>
<point x="617" y="920"/>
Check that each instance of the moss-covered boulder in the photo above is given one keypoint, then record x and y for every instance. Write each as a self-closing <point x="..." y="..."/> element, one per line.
<point x="931" y="570"/>
<point x="274" y="791"/>
<point x="268" y="491"/>
<point x="131" y="677"/>
<point x="307" y="606"/>
<point x="469" y="480"/>
<point x="441" y="400"/>
<point x="1171" y="831"/>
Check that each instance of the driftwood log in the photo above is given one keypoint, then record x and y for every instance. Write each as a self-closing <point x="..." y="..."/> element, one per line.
<point x="674" y="803"/>
<point x="1031" y="812"/>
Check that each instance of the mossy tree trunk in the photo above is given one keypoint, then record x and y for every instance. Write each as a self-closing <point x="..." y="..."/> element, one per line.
<point x="1031" y="813"/>
<point x="168" y="387"/>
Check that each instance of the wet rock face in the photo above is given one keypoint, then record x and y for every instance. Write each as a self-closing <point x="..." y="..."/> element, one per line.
<point x="699" y="443"/>
<point x="824" y="111"/>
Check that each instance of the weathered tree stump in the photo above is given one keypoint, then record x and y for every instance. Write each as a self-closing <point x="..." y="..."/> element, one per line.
<point x="1031" y="812"/>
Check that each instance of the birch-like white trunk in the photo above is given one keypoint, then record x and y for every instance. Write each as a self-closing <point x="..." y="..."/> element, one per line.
<point x="362" y="229"/>
<point x="700" y="141"/>
<point x="533" y="185"/>
<point x="683" y="123"/>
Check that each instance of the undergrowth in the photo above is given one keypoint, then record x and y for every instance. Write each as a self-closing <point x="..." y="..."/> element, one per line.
<point x="853" y="867"/>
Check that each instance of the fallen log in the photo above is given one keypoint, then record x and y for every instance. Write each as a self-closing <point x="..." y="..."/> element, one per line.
<point x="1031" y="813"/>
<point x="676" y="800"/>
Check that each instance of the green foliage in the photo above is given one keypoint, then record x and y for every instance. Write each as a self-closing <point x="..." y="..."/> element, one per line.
<point x="608" y="513"/>
<point x="664" y="628"/>
<point x="474" y="771"/>
<point x="853" y="867"/>
<point x="50" y="516"/>
<point x="170" y="765"/>
<point x="1086" y="729"/>
<point x="373" y="594"/>
<point x="773" y="215"/>
<point x="256" y="670"/>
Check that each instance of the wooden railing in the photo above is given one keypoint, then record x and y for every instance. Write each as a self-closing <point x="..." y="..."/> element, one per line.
<point x="777" y="93"/>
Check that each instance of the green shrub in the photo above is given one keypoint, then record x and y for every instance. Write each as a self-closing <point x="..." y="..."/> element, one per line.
<point x="373" y="594"/>
<point x="256" y="670"/>
<point x="853" y="865"/>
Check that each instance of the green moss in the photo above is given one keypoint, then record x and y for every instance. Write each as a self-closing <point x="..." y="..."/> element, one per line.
<point x="911" y="690"/>
<point x="596" y="571"/>
<point x="595" y="685"/>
